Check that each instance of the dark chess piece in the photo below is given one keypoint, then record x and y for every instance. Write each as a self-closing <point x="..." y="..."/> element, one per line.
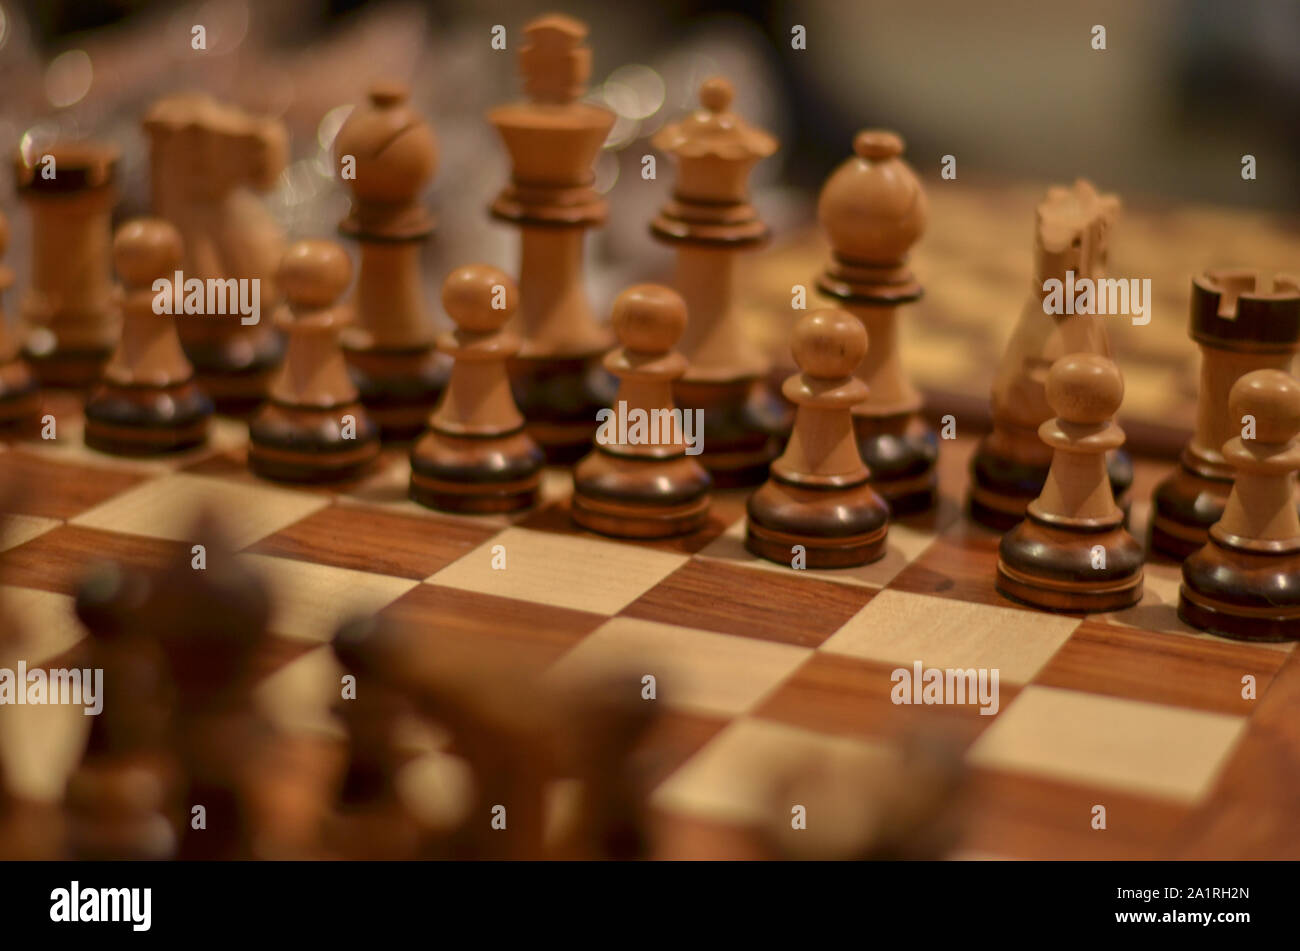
<point x="370" y="820"/>
<point x="1071" y="552"/>
<point x="68" y="311"/>
<point x="635" y="486"/>
<point x="213" y="626"/>
<point x="1240" y="325"/>
<point x="819" y="495"/>
<point x="710" y="222"/>
<point x="553" y="138"/>
<point x="313" y="428"/>
<point x="873" y="209"/>
<point x="1242" y="584"/>
<point x="1072" y="234"/>
<point x="391" y="348"/>
<point x="121" y="799"/>
<point x="20" y="397"/>
<point x="476" y="455"/>
<point x="147" y="401"/>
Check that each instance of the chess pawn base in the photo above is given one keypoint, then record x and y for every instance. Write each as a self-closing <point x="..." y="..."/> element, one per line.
<point x="297" y="444"/>
<point x="67" y="367"/>
<point x="399" y="387"/>
<point x="1247" y="593"/>
<point x="640" y="498"/>
<point x="475" y="474"/>
<point x="1054" y="567"/>
<point x="146" y="420"/>
<point x="235" y="368"/>
<point x="743" y="428"/>
<point x="838" y="526"/>
<point x="1185" y="505"/>
<point x="901" y="451"/>
<point x="20" y="395"/>
<point x="1002" y="486"/>
<point x="118" y="810"/>
<point x="560" y="398"/>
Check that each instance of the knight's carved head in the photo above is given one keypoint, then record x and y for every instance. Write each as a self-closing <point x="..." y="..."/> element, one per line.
<point x="1073" y="231"/>
<point x="204" y="148"/>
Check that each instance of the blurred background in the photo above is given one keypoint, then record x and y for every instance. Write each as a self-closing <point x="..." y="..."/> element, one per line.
<point x="1013" y="89"/>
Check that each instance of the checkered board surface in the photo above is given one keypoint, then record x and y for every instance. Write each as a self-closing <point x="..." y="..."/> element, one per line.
<point x="759" y="667"/>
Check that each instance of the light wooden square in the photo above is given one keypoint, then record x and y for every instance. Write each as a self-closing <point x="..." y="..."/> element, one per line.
<point x="17" y="530"/>
<point x="299" y="696"/>
<point x="904" y="544"/>
<point x="1138" y="747"/>
<point x="46" y="624"/>
<point x="733" y="778"/>
<point x="564" y="571"/>
<point x="168" y="508"/>
<point x="695" y="670"/>
<point x="41" y="746"/>
<point x="311" y="601"/>
<point x="900" y="627"/>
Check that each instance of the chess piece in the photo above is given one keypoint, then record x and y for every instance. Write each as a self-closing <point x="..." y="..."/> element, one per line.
<point x="477" y="456"/>
<point x="1242" y="583"/>
<point x="553" y="139"/>
<point x="709" y="221"/>
<point x="69" y="189"/>
<point x="1071" y="551"/>
<point x="146" y="401"/>
<point x="873" y="210"/>
<point x="1010" y="464"/>
<point x="1241" y="324"/>
<point x="212" y="628"/>
<point x="121" y="798"/>
<point x="370" y="820"/>
<point x="391" y="347"/>
<point x="312" y="428"/>
<point x="600" y="731"/>
<point x="206" y="160"/>
<point x="910" y="811"/>
<point x="818" y="495"/>
<point x="639" y="482"/>
<point x="20" y="399"/>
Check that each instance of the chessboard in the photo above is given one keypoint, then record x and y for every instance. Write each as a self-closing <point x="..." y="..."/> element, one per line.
<point x="764" y="672"/>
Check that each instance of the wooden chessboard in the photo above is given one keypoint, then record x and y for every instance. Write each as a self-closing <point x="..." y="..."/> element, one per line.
<point x="760" y="668"/>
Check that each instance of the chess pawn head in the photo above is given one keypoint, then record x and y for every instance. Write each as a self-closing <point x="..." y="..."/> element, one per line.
<point x="313" y="274"/>
<point x="828" y="344"/>
<point x="479" y="299"/>
<point x="1085" y="389"/>
<point x="1272" y="399"/>
<point x="395" y="150"/>
<point x="144" y="250"/>
<point x="873" y="208"/>
<point x="649" y="318"/>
